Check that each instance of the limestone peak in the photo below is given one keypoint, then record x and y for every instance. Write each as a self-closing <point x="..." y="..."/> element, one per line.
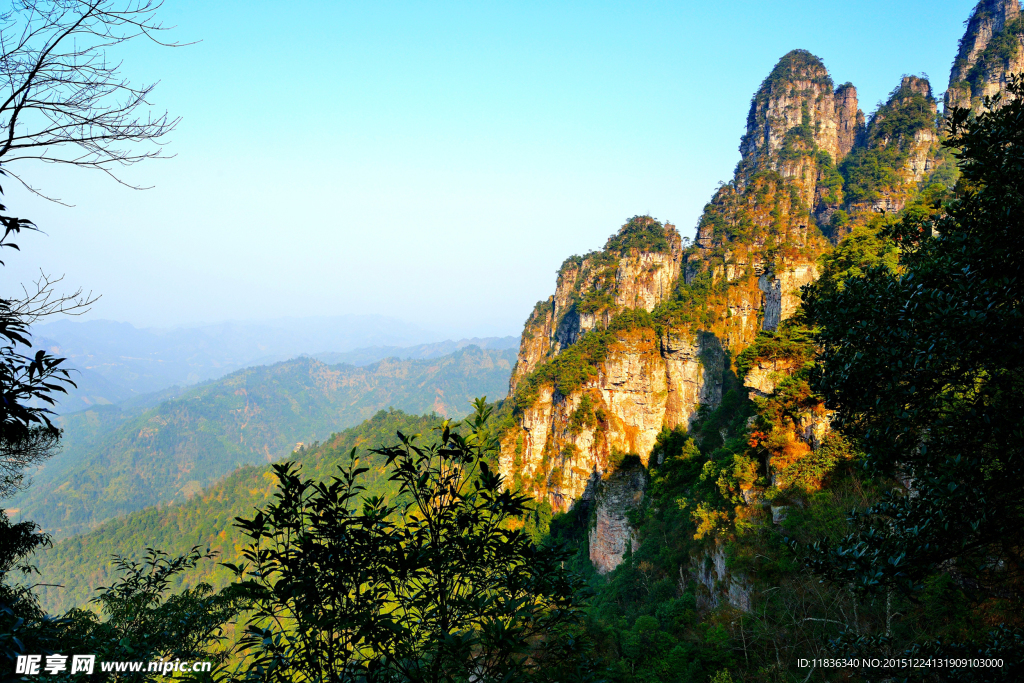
<point x="796" y="96"/>
<point x="989" y="51"/>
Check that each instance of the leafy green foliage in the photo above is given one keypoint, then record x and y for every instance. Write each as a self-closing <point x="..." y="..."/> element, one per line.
<point x="645" y="619"/>
<point x="760" y="210"/>
<point x="874" y="168"/>
<point x="829" y="178"/>
<point x="791" y="341"/>
<point x="431" y="585"/>
<point x="29" y="384"/>
<point x="80" y="564"/>
<point x="139" y="620"/>
<point x="863" y="249"/>
<point x="868" y="171"/>
<point x="924" y="367"/>
<point x="583" y="416"/>
<point x="142" y="622"/>
<point x="799" y="140"/>
<point x="905" y="112"/>
<point x="19" y="608"/>
<point x="642" y="233"/>
<point x="689" y="304"/>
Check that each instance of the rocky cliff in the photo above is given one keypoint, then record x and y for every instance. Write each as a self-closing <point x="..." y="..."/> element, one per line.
<point x="637" y="269"/>
<point x="989" y="53"/>
<point x="899" y="155"/>
<point x="640" y="337"/>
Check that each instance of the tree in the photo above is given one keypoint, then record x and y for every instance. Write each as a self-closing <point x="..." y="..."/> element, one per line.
<point x="65" y="101"/>
<point x="441" y="583"/>
<point x="142" y="622"/>
<point x="924" y="365"/>
<point x="62" y="101"/>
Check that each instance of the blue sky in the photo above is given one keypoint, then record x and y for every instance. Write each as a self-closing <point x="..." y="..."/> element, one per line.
<point x="434" y="161"/>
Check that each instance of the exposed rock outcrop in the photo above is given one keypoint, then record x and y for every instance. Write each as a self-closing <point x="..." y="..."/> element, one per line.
<point x="766" y="374"/>
<point x="637" y="337"/>
<point x="850" y="120"/>
<point x="782" y="292"/>
<point x="611" y="533"/>
<point x="798" y="94"/>
<point x="561" y="445"/>
<point x="710" y="571"/>
<point x="901" y="150"/>
<point x="990" y="51"/>
<point x="590" y="289"/>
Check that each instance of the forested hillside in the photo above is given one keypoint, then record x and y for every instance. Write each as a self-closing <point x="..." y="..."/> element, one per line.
<point x="118" y="460"/>
<point x="82" y="563"/>
<point x="789" y="450"/>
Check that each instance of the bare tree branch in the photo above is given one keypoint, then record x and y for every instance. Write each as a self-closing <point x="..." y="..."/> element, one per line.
<point x="65" y="102"/>
<point x="42" y="301"/>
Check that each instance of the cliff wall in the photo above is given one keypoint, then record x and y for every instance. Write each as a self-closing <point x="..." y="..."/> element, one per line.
<point x="640" y="336"/>
<point x="990" y="51"/>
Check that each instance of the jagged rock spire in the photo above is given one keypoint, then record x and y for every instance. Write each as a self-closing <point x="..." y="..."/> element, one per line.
<point x="992" y="48"/>
<point x="850" y="119"/>
<point x="796" y="105"/>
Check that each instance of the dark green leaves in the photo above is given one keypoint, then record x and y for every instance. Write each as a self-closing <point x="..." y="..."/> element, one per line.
<point x="436" y="584"/>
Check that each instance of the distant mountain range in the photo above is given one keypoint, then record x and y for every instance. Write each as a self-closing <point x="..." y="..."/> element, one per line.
<point x="372" y="354"/>
<point x="169" y="446"/>
<point x="117" y="361"/>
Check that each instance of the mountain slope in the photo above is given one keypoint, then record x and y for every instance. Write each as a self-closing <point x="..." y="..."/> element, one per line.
<point x="372" y="354"/>
<point x="81" y="563"/>
<point x="117" y="461"/>
<point x="680" y="433"/>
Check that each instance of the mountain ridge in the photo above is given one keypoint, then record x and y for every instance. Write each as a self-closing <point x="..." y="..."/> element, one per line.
<point x="118" y="461"/>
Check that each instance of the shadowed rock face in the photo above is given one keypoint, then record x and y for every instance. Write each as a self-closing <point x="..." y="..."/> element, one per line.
<point x="717" y="582"/>
<point x="611" y="533"/>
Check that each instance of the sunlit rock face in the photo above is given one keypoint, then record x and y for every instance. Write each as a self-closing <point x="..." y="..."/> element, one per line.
<point x="798" y="92"/>
<point x="849" y="120"/>
<point x="563" y="444"/>
<point x="782" y="292"/>
<point x="590" y="289"/>
<point x="639" y="336"/>
<point x="990" y="52"/>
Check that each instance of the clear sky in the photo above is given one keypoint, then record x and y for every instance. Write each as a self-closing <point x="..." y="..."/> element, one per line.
<point x="434" y="161"/>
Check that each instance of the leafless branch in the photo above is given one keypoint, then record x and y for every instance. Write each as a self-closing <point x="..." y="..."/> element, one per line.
<point x="41" y="301"/>
<point x="62" y="100"/>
